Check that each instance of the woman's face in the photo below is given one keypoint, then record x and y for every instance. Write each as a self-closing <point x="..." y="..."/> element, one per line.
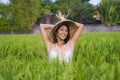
<point x="62" y="32"/>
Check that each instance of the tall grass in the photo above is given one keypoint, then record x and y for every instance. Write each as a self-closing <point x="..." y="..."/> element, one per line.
<point x="96" y="57"/>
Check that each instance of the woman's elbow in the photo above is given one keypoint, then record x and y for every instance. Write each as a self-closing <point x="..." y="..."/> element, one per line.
<point x="81" y="25"/>
<point x="41" y="25"/>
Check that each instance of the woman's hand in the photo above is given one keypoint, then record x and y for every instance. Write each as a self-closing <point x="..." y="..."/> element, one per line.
<point x="60" y="16"/>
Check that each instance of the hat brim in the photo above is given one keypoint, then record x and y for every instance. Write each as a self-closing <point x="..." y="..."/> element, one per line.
<point x="72" y="26"/>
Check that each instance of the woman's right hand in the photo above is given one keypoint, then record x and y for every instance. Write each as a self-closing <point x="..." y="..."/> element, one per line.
<point x="60" y="16"/>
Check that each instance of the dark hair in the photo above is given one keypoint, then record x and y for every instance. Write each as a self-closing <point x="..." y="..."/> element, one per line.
<point x="68" y="35"/>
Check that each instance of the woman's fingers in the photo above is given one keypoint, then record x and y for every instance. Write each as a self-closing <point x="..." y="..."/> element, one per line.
<point x="60" y="16"/>
<point x="59" y="13"/>
<point x="57" y="16"/>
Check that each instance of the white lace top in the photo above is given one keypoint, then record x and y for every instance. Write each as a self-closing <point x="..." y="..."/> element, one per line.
<point x="62" y="53"/>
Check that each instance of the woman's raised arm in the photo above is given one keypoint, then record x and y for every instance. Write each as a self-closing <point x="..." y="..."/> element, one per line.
<point x="43" y="28"/>
<point x="78" y="32"/>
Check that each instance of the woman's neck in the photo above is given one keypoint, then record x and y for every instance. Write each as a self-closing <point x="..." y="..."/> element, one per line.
<point x="60" y="42"/>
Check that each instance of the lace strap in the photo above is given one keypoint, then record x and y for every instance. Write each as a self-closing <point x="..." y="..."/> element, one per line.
<point x="48" y="46"/>
<point x="70" y="46"/>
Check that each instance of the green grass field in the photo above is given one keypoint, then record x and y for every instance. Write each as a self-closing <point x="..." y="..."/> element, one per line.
<point x="96" y="57"/>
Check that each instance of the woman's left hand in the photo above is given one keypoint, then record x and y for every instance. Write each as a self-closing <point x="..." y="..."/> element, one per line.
<point x="60" y="16"/>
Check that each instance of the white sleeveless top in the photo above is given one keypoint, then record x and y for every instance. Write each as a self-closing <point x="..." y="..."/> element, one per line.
<point x="62" y="53"/>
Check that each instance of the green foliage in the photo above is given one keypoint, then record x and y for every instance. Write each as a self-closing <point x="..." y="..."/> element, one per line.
<point x="20" y="14"/>
<point x="46" y="2"/>
<point x="4" y="11"/>
<point x="4" y="25"/>
<point x="83" y="12"/>
<point x="24" y="13"/>
<point x="96" y="57"/>
<point x="78" y="10"/>
<point x="4" y="17"/>
<point x="85" y="0"/>
<point x="109" y="12"/>
<point x="45" y="7"/>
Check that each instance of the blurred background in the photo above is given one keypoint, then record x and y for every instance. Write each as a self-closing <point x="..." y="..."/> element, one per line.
<point x="26" y="15"/>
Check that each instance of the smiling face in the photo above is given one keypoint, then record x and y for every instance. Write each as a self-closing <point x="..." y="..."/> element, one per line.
<point x="62" y="32"/>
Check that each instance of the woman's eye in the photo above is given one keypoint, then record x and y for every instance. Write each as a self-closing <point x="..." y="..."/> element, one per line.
<point x="66" y="30"/>
<point x="61" y="29"/>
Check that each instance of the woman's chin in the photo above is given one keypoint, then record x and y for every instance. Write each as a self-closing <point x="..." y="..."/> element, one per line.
<point x="63" y="38"/>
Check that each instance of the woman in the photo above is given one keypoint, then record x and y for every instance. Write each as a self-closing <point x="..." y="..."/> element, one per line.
<point x="61" y="40"/>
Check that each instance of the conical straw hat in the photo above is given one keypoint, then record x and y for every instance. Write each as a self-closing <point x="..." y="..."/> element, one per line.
<point x="70" y="23"/>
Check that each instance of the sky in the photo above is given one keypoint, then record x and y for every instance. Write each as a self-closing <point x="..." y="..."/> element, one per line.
<point x="94" y="2"/>
<point x="5" y="1"/>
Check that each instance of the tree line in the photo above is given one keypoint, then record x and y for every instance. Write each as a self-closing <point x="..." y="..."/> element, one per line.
<point x="22" y="14"/>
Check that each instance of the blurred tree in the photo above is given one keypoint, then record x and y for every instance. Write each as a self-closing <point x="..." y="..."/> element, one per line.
<point x="4" y="16"/>
<point x="83" y="13"/>
<point x="109" y="11"/>
<point x="24" y="13"/>
<point x="85" y="0"/>
<point x="46" y="2"/>
<point x="78" y="10"/>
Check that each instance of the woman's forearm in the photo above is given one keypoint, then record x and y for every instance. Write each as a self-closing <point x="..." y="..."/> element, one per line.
<point x="78" y="31"/>
<point x="79" y="25"/>
<point x="46" y="26"/>
<point x="43" y="28"/>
